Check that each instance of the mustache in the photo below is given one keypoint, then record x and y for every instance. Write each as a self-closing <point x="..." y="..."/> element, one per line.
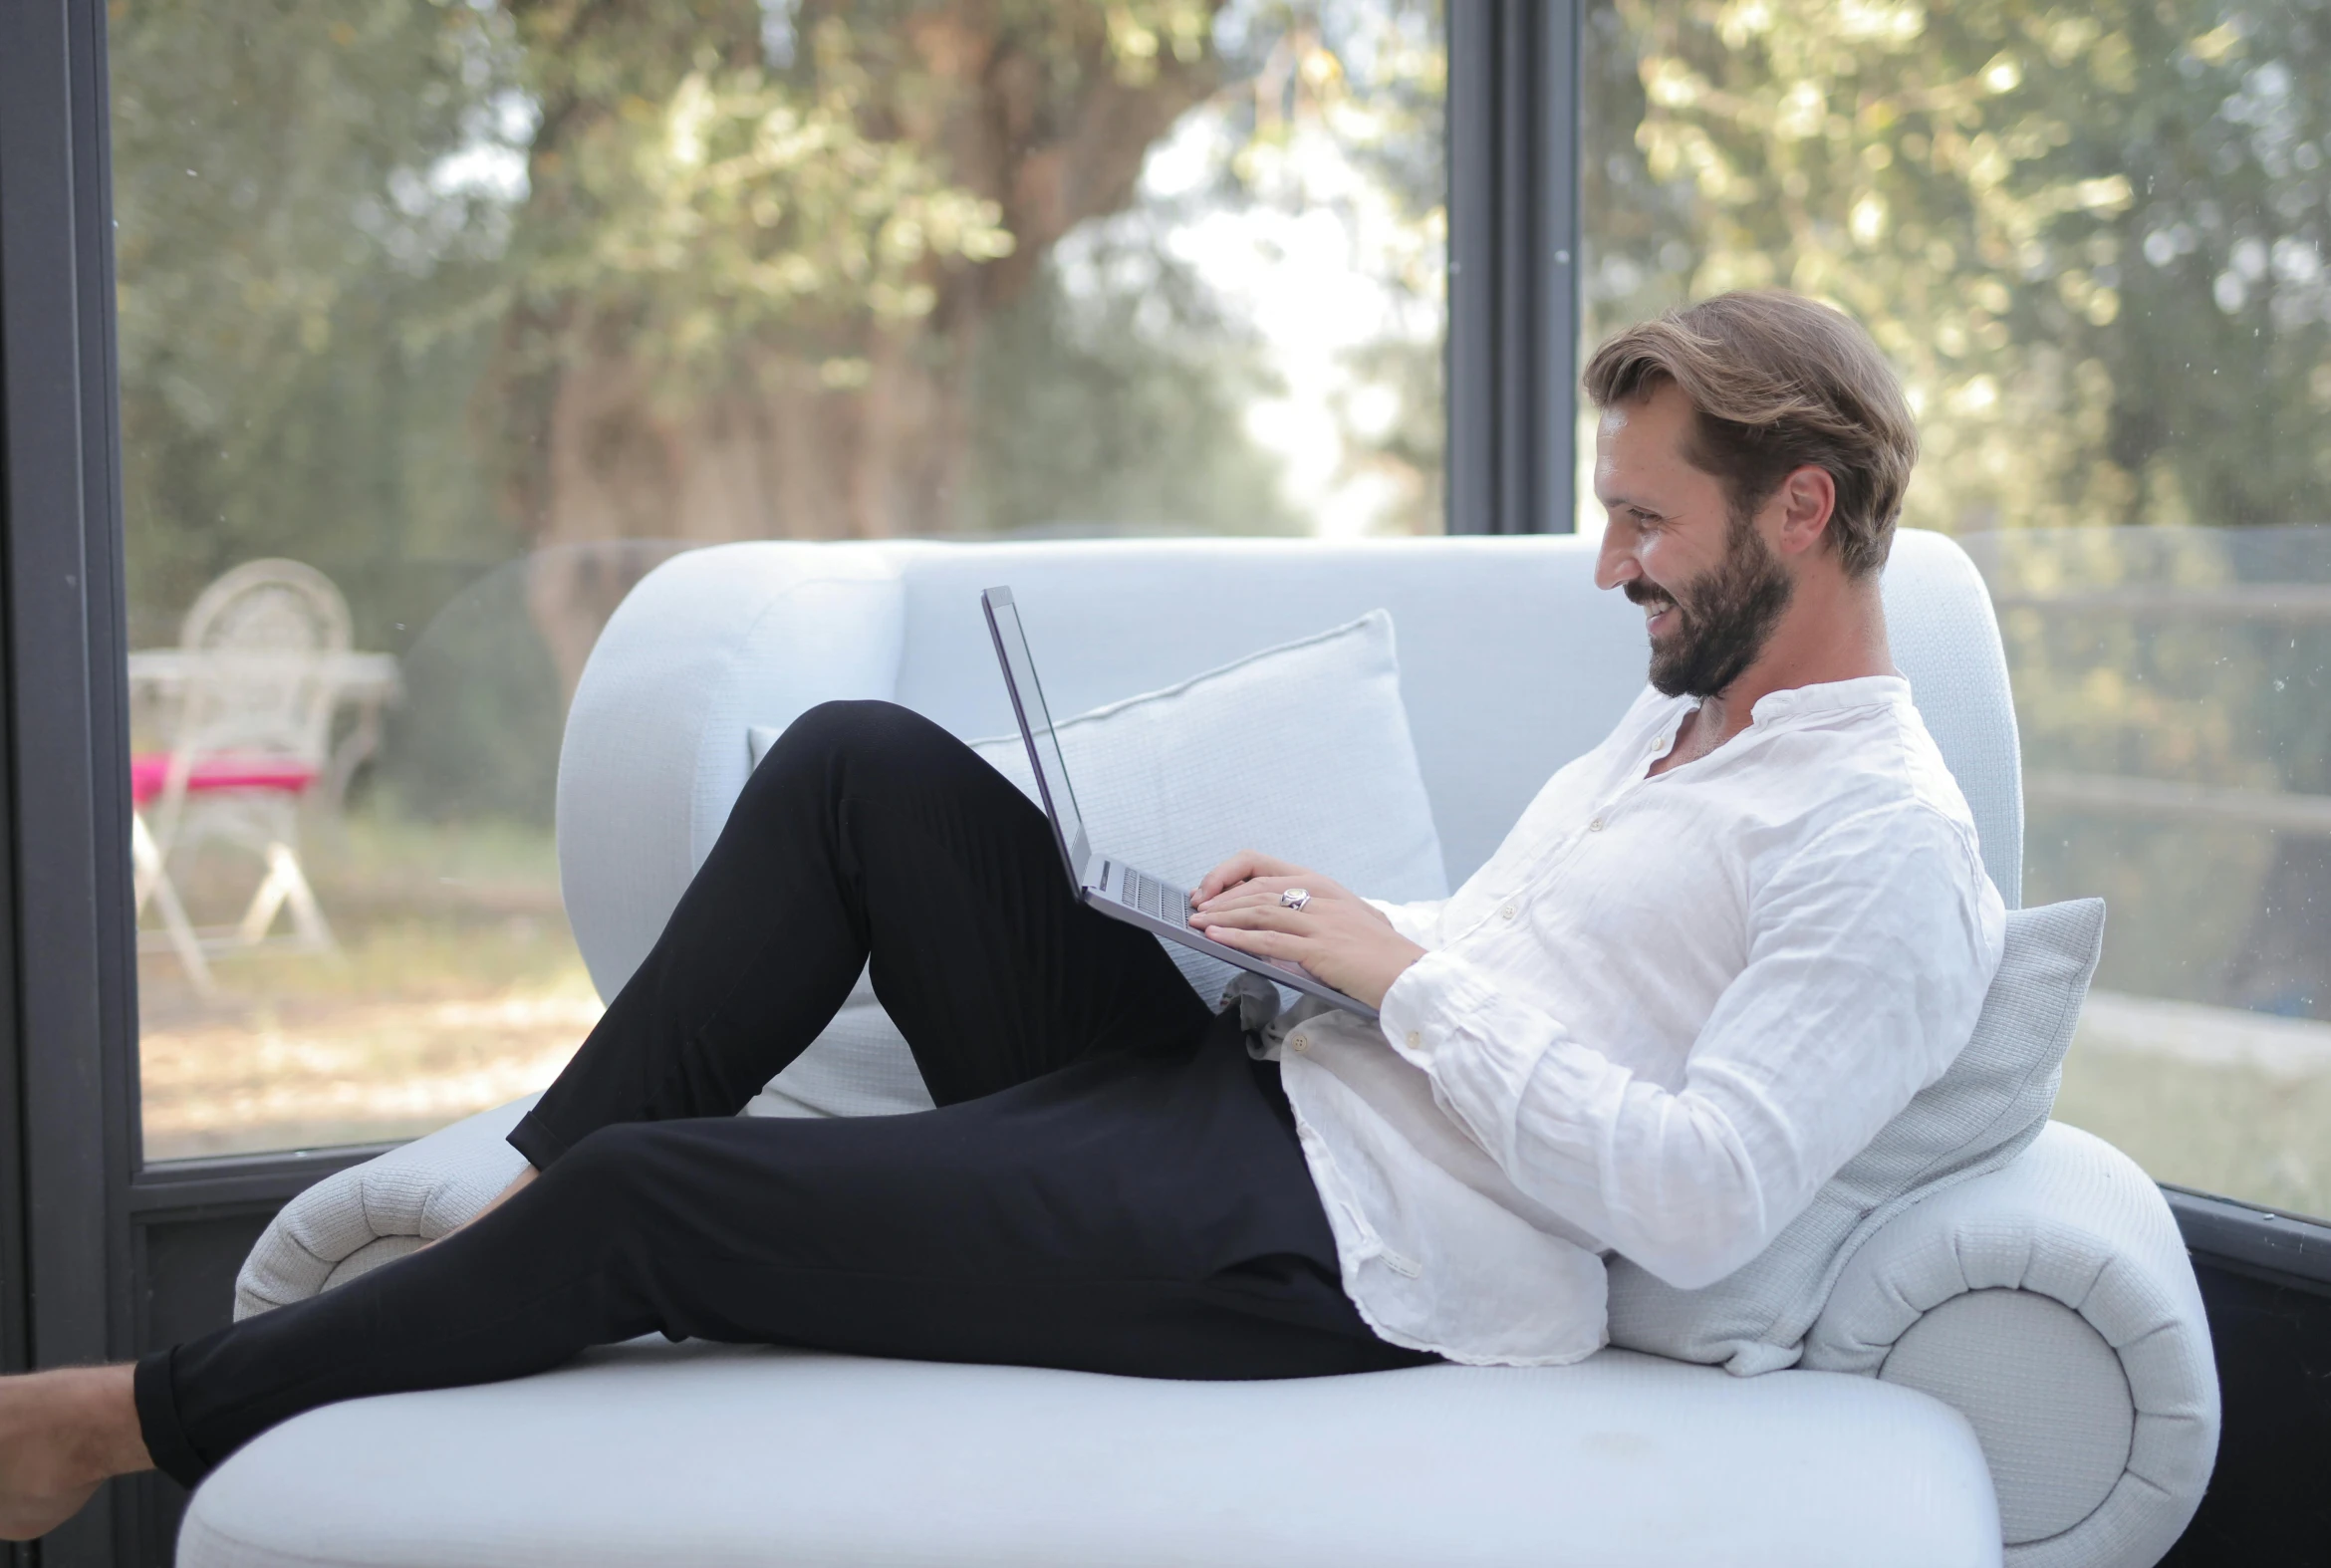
<point x="1640" y="592"/>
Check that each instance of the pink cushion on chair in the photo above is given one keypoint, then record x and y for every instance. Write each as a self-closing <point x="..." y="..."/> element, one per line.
<point x="148" y="775"/>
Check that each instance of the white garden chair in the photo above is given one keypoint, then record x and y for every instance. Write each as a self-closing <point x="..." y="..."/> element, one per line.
<point x="256" y="675"/>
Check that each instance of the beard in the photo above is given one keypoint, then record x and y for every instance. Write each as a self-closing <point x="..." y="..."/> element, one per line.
<point x="1723" y="617"/>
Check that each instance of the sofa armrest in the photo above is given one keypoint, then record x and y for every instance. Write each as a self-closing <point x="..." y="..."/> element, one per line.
<point x="369" y="1214"/>
<point x="2052" y="1303"/>
<point x="708" y="644"/>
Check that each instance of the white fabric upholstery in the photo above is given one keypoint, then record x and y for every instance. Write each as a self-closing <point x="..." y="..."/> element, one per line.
<point x="362" y="1216"/>
<point x="1510" y="663"/>
<point x="1995" y="1296"/>
<point x="1945" y="641"/>
<point x="2044" y="1393"/>
<point x="1980" y="1114"/>
<point x="2075" y="1222"/>
<point x="858" y="1066"/>
<point x="712" y="1458"/>
<point x="654" y="755"/>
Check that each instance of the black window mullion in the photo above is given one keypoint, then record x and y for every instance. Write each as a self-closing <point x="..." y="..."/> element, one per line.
<point x="70" y="958"/>
<point x="1513" y="275"/>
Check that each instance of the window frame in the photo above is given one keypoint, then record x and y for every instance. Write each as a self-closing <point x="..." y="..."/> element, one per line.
<point x="99" y="1253"/>
<point x="67" y="1038"/>
<point x="1513" y="249"/>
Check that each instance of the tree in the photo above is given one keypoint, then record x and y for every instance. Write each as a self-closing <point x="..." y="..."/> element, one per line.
<point x="531" y="277"/>
<point x="292" y="291"/>
<point x="754" y="288"/>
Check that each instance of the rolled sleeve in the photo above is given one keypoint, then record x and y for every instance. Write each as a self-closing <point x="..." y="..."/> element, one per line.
<point x="1875" y="946"/>
<point x="1420" y="922"/>
<point x="1504" y="1071"/>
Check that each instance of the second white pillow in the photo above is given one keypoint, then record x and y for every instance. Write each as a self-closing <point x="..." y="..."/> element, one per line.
<point x="1301" y="751"/>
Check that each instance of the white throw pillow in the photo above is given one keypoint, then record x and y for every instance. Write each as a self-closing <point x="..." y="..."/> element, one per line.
<point x="1301" y="751"/>
<point x="1980" y="1114"/>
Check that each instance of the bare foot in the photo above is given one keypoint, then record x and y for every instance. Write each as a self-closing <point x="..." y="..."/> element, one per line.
<point x="63" y="1434"/>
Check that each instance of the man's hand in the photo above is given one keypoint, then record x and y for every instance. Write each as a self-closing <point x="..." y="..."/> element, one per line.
<point x="1340" y="937"/>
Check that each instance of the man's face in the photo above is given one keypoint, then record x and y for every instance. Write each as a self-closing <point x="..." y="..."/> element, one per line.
<point x="1712" y="587"/>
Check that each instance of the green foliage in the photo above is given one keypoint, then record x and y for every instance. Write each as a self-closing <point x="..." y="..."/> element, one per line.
<point x="746" y="205"/>
<point x="280" y="258"/>
<point x="1118" y="411"/>
<point x="2218" y="1128"/>
<point x="707" y="203"/>
<point x="2092" y="237"/>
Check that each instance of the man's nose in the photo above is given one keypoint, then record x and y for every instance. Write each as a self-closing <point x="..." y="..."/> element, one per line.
<point x="1614" y="563"/>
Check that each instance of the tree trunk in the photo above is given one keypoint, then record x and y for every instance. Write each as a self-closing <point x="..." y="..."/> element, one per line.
<point x="773" y="450"/>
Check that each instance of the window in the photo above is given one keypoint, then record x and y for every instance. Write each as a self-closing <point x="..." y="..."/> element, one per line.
<point x="2094" y="241"/>
<point x="441" y="324"/>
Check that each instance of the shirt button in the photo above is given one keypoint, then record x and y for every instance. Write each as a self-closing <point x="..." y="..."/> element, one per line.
<point x="1510" y="911"/>
<point x="1415" y="1040"/>
<point x="1301" y="1042"/>
<point x="1595" y="825"/>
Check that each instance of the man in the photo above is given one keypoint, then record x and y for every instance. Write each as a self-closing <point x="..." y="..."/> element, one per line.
<point x="1714" y="956"/>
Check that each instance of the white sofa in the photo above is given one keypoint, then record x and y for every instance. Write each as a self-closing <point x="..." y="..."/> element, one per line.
<point x="2016" y="1367"/>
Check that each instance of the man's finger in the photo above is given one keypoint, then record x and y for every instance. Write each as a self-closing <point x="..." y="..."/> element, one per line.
<point x="1256" y="917"/>
<point x="1239" y="895"/>
<point x="1237" y="869"/>
<point x="1262" y="943"/>
<point x="1266" y="890"/>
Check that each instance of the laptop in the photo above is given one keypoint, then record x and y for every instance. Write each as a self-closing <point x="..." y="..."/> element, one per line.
<point x="1103" y="882"/>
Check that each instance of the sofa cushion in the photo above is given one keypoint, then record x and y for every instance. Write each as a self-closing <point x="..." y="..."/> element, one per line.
<point x="1302" y="750"/>
<point x="1991" y="1102"/>
<point x="652" y="1454"/>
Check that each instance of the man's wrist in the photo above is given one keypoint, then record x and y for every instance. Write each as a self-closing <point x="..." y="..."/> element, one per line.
<point x="1410" y="1004"/>
<point x="1404" y="955"/>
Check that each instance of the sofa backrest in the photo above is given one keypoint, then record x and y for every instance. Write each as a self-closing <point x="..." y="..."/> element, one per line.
<point x="1511" y="663"/>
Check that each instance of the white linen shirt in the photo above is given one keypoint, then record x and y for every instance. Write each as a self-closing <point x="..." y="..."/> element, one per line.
<point x="1660" y="1016"/>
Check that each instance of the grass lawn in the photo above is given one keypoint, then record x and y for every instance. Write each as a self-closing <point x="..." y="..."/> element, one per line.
<point x="2221" y="1126"/>
<point x="456" y="988"/>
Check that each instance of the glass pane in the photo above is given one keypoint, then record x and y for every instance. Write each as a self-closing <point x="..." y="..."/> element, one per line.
<point x="2094" y="241"/>
<point x="441" y="324"/>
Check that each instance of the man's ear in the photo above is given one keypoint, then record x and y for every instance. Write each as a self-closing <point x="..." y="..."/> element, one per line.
<point x="1806" y="500"/>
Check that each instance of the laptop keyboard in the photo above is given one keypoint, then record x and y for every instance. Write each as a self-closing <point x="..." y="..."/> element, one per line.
<point x="1154" y="897"/>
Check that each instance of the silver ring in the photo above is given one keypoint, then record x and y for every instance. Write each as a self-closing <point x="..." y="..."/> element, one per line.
<point x="1295" y="897"/>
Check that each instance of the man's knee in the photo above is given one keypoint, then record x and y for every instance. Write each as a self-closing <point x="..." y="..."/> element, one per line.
<point x="605" y="1166"/>
<point x="863" y="745"/>
<point x="864" y="732"/>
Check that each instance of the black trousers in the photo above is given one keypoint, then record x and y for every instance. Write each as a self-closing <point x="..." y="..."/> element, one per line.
<point x="1109" y="1182"/>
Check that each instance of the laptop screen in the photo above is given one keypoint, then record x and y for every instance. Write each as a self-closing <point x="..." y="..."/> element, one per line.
<point x="1052" y="780"/>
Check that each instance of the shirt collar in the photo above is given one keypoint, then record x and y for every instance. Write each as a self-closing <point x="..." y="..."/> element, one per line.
<point x="1828" y="696"/>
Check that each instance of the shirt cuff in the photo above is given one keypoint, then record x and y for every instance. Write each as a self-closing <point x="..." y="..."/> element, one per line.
<point x="1419" y="923"/>
<point x="1423" y="1000"/>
